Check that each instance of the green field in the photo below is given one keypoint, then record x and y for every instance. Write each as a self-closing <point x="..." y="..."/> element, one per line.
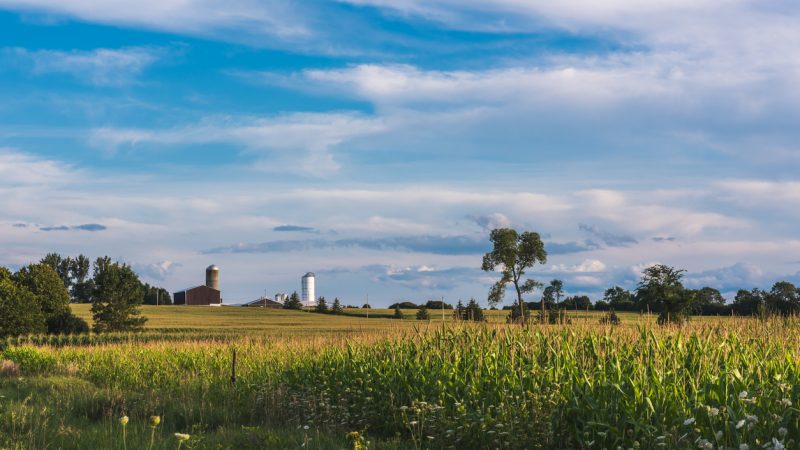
<point x="307" y="380"/>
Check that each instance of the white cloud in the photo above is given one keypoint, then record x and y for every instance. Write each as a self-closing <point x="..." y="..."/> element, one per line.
<point x="276" y="141"/>
<point x="248" y="20"/>
<point x="585" y="266"/>
<point x="101" y="67"/>
<point x="23" y="169"/>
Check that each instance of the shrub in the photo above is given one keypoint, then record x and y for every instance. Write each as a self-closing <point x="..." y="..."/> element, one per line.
<point x="67" y="323"/>
<point x="422" y="314"/>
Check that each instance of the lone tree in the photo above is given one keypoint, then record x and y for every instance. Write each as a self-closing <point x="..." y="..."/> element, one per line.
<point x="661" y="288"/>
<point x="422" y="313"/>
<point x="337" y="308"/>
<point x="513" y="253"/>
<point x="116" y="297"/>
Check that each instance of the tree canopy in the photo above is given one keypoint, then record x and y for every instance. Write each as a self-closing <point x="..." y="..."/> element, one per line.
<point x="513" y="254"/>
<point x="116" y="297"/>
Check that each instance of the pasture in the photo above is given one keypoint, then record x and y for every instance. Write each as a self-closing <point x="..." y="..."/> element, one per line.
<point x="306" y="380"/>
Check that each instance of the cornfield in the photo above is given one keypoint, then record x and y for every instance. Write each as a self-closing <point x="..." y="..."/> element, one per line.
<point x="726" y="383"/>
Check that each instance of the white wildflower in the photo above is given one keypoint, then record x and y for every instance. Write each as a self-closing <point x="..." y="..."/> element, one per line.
<point x="777" y="445"/>
<point x="740" y="424"/>
<point x="705" y="445"/>
<point x="718" y="435"/>
<point x="782" y="432"/>
<point x="744" y="447"/>
<point x="786" y="402"/>
<point x="688" y="421"/>
<point x="713" y="411"/>
<point x="743" y="394"/>
<point x="752" y="418"/>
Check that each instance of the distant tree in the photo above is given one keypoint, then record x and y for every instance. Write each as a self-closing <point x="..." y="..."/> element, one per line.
<point x="619" y="299"/>
<point x="366" y="306"/>
<point x="62" y="267"/>
<point x="81" y="282"/>
<point x="749" y="303"/>
<point x="783" y="298"/>
<point x="576" y="302"/>
<point x="708" y="301"/>
<point x="661" y="289"/>
<point x="293" y="302"/>
<point x="422" y="313"/>
<point x="437" y="304"/>
<point x="322" y="305"/>
<point x="44" y="283"/>
<point x="404" y="305"/>
<point x="602" y="305"/>
<point x="610" y="318"/>
<point x="116" y="297"/>
<point x="336" y="308"/>
<point x="398" y="314"/>
<point x="154" y="295"/>
<point x="20" y="312"/>
<point x="473" y="311"/>
<point x="458" y="312"/>
<point x="513" y="253"/>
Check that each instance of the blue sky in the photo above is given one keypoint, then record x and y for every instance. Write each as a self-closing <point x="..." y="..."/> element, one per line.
<point x="376" y="143"/>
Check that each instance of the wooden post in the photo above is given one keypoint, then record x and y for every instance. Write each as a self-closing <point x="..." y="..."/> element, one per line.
<point x="233" y="367"/>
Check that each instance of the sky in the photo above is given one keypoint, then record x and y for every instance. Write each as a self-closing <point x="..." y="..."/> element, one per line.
<point x="376" y="143"/>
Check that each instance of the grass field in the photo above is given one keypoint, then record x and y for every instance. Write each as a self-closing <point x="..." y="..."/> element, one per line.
<point x="306" y="380"/>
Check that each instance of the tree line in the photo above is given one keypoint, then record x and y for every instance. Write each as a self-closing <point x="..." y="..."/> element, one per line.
<point x="36" y="298"/>
<point x="660" y="289"/>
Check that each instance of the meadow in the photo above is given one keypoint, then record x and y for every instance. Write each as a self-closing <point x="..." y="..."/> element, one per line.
<point x="305" y="380"/>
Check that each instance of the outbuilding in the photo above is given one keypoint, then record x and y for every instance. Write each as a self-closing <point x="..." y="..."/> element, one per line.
<point x="198" y="296"/>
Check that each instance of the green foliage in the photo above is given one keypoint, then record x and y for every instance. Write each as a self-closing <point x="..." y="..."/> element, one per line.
<point x="67" y="323"/>
<point x="398" y="314"/>
<point x="660" y="289"/>
<point x="422" y="313"/>
<point x="47" y="286"/>
<point x="293" y="302"/>
<point x="619" y="299"/>
<point x="404" y="305"/>
<point x="154" y="295"/>
<point x="513" y="254"/>
<point x="438" y="304"/>
<point x="322" y="305"/>
<point x="336" y="308"/>
<point x="20" y="312"/>
<point x="116" y="297"/>
<point x="471" y="312"/>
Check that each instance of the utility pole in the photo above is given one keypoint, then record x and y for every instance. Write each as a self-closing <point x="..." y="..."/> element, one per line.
<point x="368" y="305"/>
<point x="443" y="309"/>
<point x="158" y="291"/>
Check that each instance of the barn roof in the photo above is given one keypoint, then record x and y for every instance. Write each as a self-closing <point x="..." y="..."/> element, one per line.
<point x="261" y="301"/>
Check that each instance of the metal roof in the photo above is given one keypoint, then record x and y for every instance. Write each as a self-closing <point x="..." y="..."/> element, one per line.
<point x="309" y="274"/>
<point x="212" y="267"/>
<point x="195" y="287"/>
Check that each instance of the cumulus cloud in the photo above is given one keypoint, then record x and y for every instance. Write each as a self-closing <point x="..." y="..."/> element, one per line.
<point x="491" y="221"/>
<point x="741" y="275"/>
<point x="585" y="266"/>
<point x="156" y="271"/>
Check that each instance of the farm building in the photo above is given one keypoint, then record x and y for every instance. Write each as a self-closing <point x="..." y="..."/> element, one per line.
<point x="197" y="296"/>
<point x="264" y="302"/>
<point x="203" y="295"/>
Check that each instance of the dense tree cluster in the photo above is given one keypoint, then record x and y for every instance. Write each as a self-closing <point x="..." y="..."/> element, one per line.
<point x="293" y="302"/>
<point x="36" y="298"/>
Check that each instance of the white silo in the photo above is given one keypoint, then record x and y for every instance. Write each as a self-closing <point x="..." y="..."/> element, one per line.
<point x="307" y="296"/>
